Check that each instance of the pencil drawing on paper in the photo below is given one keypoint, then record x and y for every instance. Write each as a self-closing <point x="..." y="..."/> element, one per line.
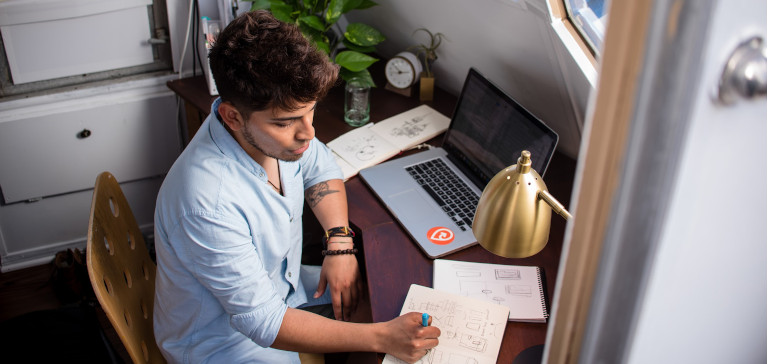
<point x="500" y="289"/>
<point x="464" y="327"/>
<point x="410" y="128"/>
<point x="363" y="148"/>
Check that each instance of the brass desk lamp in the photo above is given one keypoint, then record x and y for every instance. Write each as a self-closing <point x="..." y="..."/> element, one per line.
<point x="513" y="214"/>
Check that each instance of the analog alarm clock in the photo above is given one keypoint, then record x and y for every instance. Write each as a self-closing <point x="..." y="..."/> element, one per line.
<point x="403" y="70"/>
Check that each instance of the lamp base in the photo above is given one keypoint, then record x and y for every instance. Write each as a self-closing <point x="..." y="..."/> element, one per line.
<point x="530" y="355"/>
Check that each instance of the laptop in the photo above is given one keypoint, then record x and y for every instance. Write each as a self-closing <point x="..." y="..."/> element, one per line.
<point x="433" y="194"/>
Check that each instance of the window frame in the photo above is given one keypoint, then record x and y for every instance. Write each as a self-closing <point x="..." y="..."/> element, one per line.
<point x="559" y="12"/>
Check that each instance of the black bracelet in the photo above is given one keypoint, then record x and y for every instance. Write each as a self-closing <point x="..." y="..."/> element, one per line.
<point x="339" y="231"/>
<point x="339" y="252"/>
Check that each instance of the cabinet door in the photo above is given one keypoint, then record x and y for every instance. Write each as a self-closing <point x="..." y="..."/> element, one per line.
<point x="61" y="152"/>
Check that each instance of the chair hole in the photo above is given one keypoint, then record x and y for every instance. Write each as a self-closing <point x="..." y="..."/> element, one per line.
<point x="128" y="280"/>
<point x="144" y="311"/>
<point x="108" y="246"/>
<point x="131" y="241"/>
<point x="127" y="316"/>
<point x="144" y="270"/>
<point x="108" y="285"/>
<point x="145" y="350"/>
<point x="113" y="206"/>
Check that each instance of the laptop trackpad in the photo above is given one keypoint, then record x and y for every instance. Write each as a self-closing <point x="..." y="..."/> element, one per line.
<point x="411" y="206"/>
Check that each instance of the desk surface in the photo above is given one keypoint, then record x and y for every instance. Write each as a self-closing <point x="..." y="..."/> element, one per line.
<point x="392" y="260"/>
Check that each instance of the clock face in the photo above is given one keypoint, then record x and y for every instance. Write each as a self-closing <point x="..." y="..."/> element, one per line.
<point x="400" y="72"/>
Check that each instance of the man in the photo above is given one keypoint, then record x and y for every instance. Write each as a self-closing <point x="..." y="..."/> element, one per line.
<point x="228" y="218"/>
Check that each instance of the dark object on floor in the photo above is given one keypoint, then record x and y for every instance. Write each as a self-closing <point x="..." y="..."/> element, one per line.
<point x="70" y="277"/>
<point x="70" y="334"/>
<point x="531" y="355"/>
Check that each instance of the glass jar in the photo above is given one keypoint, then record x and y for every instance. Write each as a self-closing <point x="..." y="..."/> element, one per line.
<point x="357" y="103"/>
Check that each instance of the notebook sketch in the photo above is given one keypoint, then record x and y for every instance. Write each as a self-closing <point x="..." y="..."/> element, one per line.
<point x="518" y="287"/>
<point x="471" y="330"/>
<point x="374" y="143"/>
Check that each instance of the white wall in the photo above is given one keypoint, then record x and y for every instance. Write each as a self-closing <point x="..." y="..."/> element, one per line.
<point x="509" y="41"/>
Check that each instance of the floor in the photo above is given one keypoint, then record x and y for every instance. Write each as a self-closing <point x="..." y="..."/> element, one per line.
<point x="31" y="289"/>
<point x="27" y="290"/>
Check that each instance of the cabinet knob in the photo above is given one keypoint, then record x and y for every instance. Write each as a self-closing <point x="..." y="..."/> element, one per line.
<point x="744" y="75"/>
<point x="83" y="134"/>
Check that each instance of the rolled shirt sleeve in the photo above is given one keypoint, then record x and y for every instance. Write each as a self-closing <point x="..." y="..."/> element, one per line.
<point x="224" y="261"/>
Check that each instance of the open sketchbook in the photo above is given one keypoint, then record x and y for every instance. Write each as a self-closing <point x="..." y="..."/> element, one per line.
<point x="515" y="286"/>
<point x="374" y="143"/>
<point x="471" y="330"/>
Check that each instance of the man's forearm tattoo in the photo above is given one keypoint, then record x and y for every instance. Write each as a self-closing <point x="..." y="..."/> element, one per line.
<point x="316" y="193"/>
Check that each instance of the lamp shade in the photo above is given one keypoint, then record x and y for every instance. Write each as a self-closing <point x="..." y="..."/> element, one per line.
<point x="514" y="212"/>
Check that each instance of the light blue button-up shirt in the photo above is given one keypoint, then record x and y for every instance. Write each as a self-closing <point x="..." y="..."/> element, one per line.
<point x="229" y="250"/>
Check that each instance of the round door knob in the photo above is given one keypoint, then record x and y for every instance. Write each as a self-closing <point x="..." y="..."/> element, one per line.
<point x="83" y="134"/>
<point x="744" y="75"/>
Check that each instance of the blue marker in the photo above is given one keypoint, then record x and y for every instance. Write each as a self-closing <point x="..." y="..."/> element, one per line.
<point x="424" y="320"/>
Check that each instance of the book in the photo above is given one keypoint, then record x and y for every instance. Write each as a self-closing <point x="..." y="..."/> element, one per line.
<point x="517" y="287"/>
<point x="374" y="143"/>
<point x="471" y="329"/>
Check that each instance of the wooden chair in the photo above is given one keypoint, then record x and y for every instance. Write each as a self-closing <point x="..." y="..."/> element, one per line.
<point x="121" y="271"/>
<point x="123" y="275"/>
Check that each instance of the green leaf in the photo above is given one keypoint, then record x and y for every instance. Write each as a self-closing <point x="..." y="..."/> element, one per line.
<point x="335" y="9"/>
<point x="317" y="37"/>
<point x="350" y="5"/>
<point x="354" y="61"/>
<point x="364" y="75"/>
<point x="354" y="47"/>
<point x="363" y="35"/>
<point x="323" y="46"/>
<point x="282" y="12"/>
<point x="260" y="4"/>
<point x="365" y="4"/>
<point x="310" y="5"/>
<point x="313" y="21"/>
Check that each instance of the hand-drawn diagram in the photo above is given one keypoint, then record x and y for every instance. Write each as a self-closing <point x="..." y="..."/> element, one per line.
<point x="502" y="287"/>
<point x="410" y="128"/>
<point x="470" y="334"/>
<point x="364" y="148"/>
<point x="517" y="287"/>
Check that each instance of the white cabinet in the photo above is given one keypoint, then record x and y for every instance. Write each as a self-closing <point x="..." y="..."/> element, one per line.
<point x="57" y="38"/>
<point x="52" y="148"/>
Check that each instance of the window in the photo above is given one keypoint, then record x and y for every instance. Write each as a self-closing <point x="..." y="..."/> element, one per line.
<point x="589" y="18"/>
<point x="50" y="64"/>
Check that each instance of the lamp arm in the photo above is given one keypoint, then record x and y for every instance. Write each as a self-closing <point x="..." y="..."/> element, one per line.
<point x="556" y="205"/>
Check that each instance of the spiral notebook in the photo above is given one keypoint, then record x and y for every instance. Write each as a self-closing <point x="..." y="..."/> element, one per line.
<point x="521" y="288"/>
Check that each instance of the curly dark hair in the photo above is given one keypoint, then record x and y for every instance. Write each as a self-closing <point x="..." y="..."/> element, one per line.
<point x="259" y="62"/>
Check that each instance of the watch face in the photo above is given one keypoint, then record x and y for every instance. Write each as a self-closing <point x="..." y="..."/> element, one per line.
<point x="400" y="72"/>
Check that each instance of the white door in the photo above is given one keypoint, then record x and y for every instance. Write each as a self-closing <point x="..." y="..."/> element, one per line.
<point x="705" y="301"/>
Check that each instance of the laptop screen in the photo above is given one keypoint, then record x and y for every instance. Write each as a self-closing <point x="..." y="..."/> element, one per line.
<point x="489" y="130"/>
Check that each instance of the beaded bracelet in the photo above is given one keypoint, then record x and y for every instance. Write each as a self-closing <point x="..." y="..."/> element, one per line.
<point x="339" y="252"/>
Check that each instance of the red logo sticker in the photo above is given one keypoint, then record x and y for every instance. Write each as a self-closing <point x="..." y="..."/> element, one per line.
<point x="440" y="235"/>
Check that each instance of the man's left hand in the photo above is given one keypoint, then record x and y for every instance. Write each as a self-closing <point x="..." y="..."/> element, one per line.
<point x="342" y="275"/>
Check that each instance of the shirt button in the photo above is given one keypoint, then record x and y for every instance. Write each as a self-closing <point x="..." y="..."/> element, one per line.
<point x="289" y="274"/>
<point x="291" y="219"/>
<point x="261" y="174"/>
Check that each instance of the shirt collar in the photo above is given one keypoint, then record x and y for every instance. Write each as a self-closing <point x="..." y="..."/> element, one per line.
<point x="228" y="145"/>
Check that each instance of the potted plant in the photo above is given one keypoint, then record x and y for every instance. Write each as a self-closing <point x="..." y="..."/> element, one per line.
<point x="429" y="52"/>
<point x="317" y="19"/>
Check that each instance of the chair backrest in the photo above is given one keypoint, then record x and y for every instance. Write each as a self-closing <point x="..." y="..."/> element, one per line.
<point x="121" y="271"/>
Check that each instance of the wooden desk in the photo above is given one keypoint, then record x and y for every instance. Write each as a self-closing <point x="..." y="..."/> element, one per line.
<point x="391" y="259"/>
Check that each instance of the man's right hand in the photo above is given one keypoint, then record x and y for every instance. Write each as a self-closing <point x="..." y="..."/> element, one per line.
<point x="407" y="339"/>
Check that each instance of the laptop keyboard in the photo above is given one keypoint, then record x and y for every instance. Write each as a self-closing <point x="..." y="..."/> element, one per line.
<point x="456" y="199"/>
